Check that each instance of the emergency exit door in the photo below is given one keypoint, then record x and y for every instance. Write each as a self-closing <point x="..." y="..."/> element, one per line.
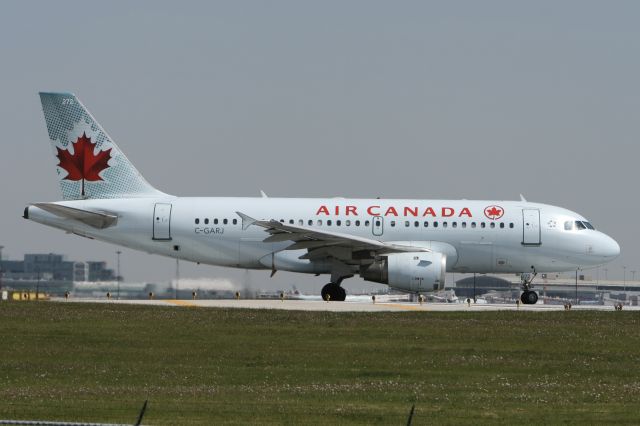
<point x="531" y="227"/>
<point x="377" y="225"/>
<point x="162" y="221"/>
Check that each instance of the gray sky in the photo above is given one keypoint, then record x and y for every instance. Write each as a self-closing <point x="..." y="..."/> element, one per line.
<point x="347" y="98"/>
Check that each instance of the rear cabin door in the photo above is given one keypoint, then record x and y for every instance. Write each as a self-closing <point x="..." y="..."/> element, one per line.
<point x="162" y="221"/>
<point x="531" y="227"/>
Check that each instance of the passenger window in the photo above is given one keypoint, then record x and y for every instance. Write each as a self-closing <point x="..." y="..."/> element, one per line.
<point x="225" y="221"/>
<point x="464" y="224"/>
<point x="300" y="222"/>
<point x="291" y="221"/>
<point x="426" y="224"/>
<point x="206" y="221"/>
<point x="347" y="222"/>
<point x="329" y="222"/>
<point x="215" y="221"/>
<point x="435" y="224"/>
<point x="393" y="223"/>
<point x="511" y="225"/>
<point x="319" y="222"/>
<point x="482" y="225"/>
<point x="357" y="223"/>
<point x="197" y="221"/>
<point x="406" y="223"/>
<point x="493" y="225"/>
<point x="367" y="223"/>
<point x="473" y="224"/>
<point x="454" y="224"/>
<point x="378" y="223"/>
<point x="235" y="221"/>
<point x="338" y="222"/>
<point x="501" y="225"/>
<point x="310" y="222"/>
<point x="416" y="223"/>
<point x="444" y="224"/>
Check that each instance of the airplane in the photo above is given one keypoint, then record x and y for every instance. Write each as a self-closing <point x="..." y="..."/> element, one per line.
<point x="406" y="244"/>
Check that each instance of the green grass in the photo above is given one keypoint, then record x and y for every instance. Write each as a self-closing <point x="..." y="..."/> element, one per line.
<point x="81" y="362"/>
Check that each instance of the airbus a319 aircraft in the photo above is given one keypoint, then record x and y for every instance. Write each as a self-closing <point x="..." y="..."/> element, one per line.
<point x="406" y="244"/>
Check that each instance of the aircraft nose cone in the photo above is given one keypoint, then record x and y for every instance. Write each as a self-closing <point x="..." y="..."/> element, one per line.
<point x="608" y="247"/>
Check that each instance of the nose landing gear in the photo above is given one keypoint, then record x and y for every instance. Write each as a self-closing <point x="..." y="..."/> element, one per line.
<point x="528" y="296"/>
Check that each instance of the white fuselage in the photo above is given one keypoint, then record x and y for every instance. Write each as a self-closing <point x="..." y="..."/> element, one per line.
<point x="514" y="237"/>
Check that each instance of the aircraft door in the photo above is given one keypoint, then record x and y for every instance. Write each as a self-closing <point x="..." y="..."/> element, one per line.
<point x="531" y="227"/>
<point x="377" y="225"/>
<point x="162" y="221"/>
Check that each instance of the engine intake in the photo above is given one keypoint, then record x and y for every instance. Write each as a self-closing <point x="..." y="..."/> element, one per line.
<point x="414" y="271"/>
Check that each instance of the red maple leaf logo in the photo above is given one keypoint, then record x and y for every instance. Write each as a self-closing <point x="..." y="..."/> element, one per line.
<point x="83" y="164"/>
<point x="494" y="212"/>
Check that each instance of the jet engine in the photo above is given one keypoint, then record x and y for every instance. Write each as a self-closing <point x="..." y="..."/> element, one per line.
<point x="414" y="271"/>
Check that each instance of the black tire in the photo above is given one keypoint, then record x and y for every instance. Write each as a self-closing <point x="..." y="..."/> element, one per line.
<point x="334" y="291"/>
<point x="327" y="291"/>
<point x="341" y="294"/>
<point x="529" y="297"/>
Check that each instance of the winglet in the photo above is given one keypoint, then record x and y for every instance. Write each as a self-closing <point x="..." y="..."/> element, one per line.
<point x="247" y="221"/>
<point x="262" y="194"/>
<point x="522" y="198"/>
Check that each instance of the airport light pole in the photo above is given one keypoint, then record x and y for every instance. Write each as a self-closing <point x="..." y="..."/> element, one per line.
<point x="474" y="287"/>
<point x="118" y="253"/>
<point x="1" y="247"/>
<point x="576" y="286"/>
<point x="624" y="282"/>
<point x="177" y="276"/>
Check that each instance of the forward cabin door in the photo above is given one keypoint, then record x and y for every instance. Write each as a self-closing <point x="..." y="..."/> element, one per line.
<point x="531" y="227"/>
<point x="162" y="221"/>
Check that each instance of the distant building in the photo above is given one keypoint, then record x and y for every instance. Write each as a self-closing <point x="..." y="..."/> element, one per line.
<point x="54" y="267"/>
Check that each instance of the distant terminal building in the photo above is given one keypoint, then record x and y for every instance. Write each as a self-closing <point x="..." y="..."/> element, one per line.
<point x="51" y="271"/>
<point x="551" y="287"/>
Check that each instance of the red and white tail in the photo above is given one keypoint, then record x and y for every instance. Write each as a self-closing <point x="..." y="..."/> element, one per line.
<point x="89" y="164"/>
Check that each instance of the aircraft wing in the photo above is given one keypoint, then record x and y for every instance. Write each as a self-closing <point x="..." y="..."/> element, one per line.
<point x="320" y="243"/>
<point x="94" y="219"/>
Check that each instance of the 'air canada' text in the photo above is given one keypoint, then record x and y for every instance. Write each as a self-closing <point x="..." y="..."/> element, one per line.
<point x="404" y="211"/>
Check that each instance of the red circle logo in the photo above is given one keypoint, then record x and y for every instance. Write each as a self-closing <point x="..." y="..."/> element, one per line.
<point x="494" y="212"/>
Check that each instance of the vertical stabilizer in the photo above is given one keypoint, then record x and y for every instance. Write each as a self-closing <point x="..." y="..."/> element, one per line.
<point x="89" y="164"/>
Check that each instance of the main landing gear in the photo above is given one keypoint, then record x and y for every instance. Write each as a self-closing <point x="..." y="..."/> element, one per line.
<point x="528" y="296"/>
<point x="334" y="292"/>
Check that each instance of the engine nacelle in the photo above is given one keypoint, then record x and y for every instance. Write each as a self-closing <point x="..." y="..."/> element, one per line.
<point x="415" y="271"/>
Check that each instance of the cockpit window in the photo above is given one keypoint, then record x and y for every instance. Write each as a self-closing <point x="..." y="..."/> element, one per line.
<point x="579" y="225"/>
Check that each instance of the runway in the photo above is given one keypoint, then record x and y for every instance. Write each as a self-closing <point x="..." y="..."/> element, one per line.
<point x="347" y="306"/>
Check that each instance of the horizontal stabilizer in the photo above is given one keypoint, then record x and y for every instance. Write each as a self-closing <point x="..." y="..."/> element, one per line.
<point x="94" y="219"/>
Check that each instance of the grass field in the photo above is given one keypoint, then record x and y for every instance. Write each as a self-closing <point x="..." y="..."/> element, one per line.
<point x="82" y="362"/>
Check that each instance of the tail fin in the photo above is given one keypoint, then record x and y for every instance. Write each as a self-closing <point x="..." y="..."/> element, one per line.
<point x="90" y="164"/>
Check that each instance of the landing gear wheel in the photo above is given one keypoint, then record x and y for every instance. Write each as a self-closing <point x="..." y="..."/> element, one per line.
<point x="529" y="297"/>
<point x="333" y="292"/>
<point x="342" y="294"/>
